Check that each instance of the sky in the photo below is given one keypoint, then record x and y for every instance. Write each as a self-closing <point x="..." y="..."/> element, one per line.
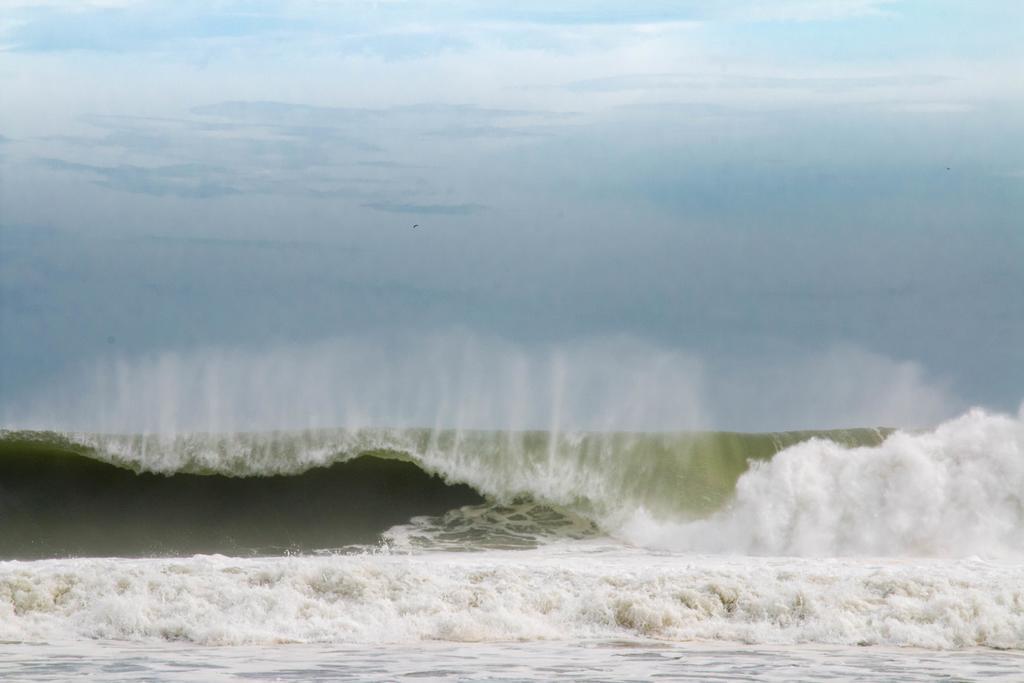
<point x="693" y="214"/>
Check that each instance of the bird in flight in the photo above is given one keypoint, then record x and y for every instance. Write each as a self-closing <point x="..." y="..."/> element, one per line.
<point x="416" y="225"/>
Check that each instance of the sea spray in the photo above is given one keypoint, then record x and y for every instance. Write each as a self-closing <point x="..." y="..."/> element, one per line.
<point x="957" y="490"/>
<point x="461" y="381"/>
<point x="441" y="381"/>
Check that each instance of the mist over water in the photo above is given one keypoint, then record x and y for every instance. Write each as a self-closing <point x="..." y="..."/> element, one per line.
<point x="617" y="431"/>
<point x="461" y="380"/>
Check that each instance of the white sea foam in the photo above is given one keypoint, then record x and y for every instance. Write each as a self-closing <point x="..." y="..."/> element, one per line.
<point x="515" y="596"/>
<point x="957" y="490"/>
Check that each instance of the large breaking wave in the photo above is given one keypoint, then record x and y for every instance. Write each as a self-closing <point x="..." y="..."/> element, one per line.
<point x="587" y="535"/>
<point x="953" y="491"/>
<point x="139" y="494"/>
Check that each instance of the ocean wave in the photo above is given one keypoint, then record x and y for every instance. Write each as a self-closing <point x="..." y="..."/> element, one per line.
<point x="515" y="596"/>
<point x="56" y="504"/>
<point x="139" y="494"/>
<point x="953" y="491"/>
<point x="957" y="490"/>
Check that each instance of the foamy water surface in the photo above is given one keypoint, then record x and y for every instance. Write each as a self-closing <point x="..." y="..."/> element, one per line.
<point x="896" y="557"/>
<point x="581" y="591"/>
<point x="515" y="661"/>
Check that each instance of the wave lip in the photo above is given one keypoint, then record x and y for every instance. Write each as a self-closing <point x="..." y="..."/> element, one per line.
<point x="521" y="596"/>
<point x="952" y="491"/>
<point x="269" y="492"/>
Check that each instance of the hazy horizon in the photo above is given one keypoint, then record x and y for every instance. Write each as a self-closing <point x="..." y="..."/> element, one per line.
<point x="456" y="340"/>
<point x="703" y="215"/>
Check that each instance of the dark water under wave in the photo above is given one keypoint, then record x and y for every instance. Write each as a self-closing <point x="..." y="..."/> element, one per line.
<point x="56" y="502"/>
<point x="111" y="495"/>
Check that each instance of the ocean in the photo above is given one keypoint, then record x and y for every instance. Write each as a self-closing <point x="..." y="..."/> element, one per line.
<point x="381" y="554"/>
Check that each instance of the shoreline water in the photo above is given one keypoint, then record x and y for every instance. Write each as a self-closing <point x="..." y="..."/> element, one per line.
<point x="511" y="661"/>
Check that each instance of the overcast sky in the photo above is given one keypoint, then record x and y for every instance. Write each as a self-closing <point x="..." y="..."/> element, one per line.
<point x="812" y="208"/>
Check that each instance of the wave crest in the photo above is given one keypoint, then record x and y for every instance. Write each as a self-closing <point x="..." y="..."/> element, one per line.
<point x="957" y="490"/>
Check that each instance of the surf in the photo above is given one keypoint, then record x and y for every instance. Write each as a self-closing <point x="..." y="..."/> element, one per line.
<point x="513" y="597"/>
<point x="954" y="491"/>
<point x="312" y="490"/>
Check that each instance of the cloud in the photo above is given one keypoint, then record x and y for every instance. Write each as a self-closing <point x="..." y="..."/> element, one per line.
<point x="277" y="246"/>
<point x="934" y="108"/>
<point x="690" y="81"/>
<point x="575" y="13"/>
<point x="201" y="32"/>
<point x="203" y="181"/>
<point x="809" y="10"/>
<point x="275" y="141"/>
<point x="279" y="148"/>
<point x="76" y="6"/>
<point x="418" y="116"/>
<point x="137" y="27"/>
<point x="201" y="159"/>
<point x="427" y="209"/>
<point x="183" y="180"/>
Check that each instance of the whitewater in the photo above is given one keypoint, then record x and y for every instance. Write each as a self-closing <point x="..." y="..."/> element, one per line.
<point x="848" y="538"/>
<point x="588" y="592"/>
